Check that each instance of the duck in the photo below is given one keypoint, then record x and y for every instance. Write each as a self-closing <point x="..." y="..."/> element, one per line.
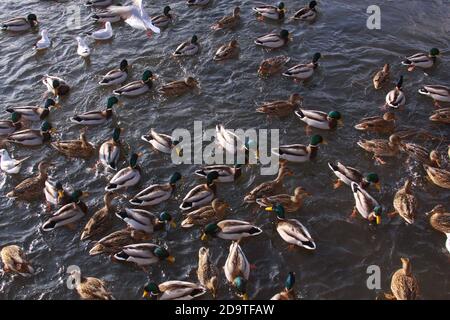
<point x="143" y="254"/>
<point x="199" y="3"/>
<point x="230" y="230"/>
<point x="300" y="152"/>
<point x="34" y="113"/>
<point x="113" y="242"/>
<point x="80" y="148"/>
<point x="436" y="92"/>
<point x="8" y="127"/>
<point x="55" y="194"/>
<point x="272" y="66"/>
<point x="421" y="60"/>
<point x="205" y="215"/>
<point x="381" y="77"/>
<point x="207" y="272"/>
<point x="90" y="288"/>
<point x="10" y="165"/>
<point x="404" y="285"/>
<point x="290" y="203"/>
<point x="179" y="87"/>
<point x="143" y="220"/>
<point x="116" y="76"/>
<point x="126" y="177"/>
<point x="439" y="176"/>
<point x="188" y="48"/>
<point x="226" y="173"/>
<point x="228" y="140"/>
<point x="281" y="108"/>
<point x="291" y="230"/>
<point x="67" y="215"/>
<point x="163" y="20"/>
<point x="156" y="193"/>
<point x="382" y="147"/>
<point x="383" y="124"/>
<point x="347" y="175"/>
<point x="31" y="188"/>
<point x="100" y="220"/>
<point x="44" y="42"/>
<point x="307" y="13"/>
<point x="302" y="72"/>
<point x="173" y="290"/>
<point x="421" y="154"/>
<point x="201" y="194"/>
<point x="103" y="34"/>
<point x="270" y="12"/>
<point x="20" y="23"/>
<point x="96" y="117"/>
<point x="274" y="40"/>
<point x="319" y="119"/>
<point x="227" y="51"/>
<point x="82" y="48"/>
<point x="440" y="221"/>
<point x="31" y="137"/>
<point x="98" y="3"/>
<point x="365" y="204"/>
<point x="136" y="88"/>
<point x="237" y="269"/>
<point x="441" y="115"/>
<point x="55" y="85"/>
<point x="105" y="15"/>
<point x="288" y="292"/>
<point x="228" y="22"/>
<point x="396" y="98"/>
<point x="405" y="203"/>
<point x="109" y="152"/>
<point x="15" y="261"/>
<point x="161" y="142"/>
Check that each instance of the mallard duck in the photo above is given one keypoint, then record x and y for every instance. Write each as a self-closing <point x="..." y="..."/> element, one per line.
<point x="97" y="116"/>
<point x="381" y="77"/>
<point x="382" y="147"/>
<point x="288" y="292"/>
<point x="90" y="288"/>
<point x="34" y="113"/>
<point x="441" y="115"/>
<point x="126" y="177"/>
<point x="291" y="230"/>
<point x="55" y="194"/>
<point x="440" y="177"/>
<point x="98" y="3"/>
<point x="437" y="93"/>
<point x="226" y="173"/>
<point x="440" y="221"/>
<point x="139" y="219"/>
<point x="31" y="188"/>
<point x="396" y="98"/>
<point x="300" y="152"/>
<point x="237" y="269"/>
<point x="272" y="66"/>
<point x="136" y="88"/>
<point x="44" y="42"/>
<point x="188" y="48"/>
<point x="105" y="15"/>
<point x="230" y="230"/>
<point x="31" y="137"/>
<point x="228" y="140"/>
<point x="15" y="261"/>
<point x="421" y="154"/>
<point x="270" y="12"/>
<point x="205" y="215"/>
<point x="274" y="40"/>
<point x="109" y="152"/>
<point x="20" y="23"/>
<point x="301" y="72"/>
<point x="8" y="164"/>
<point x="179" y="87"/>
<point x="80" y="148"/>
<point x="113" y="242"/>
<point x="156" y="193"/>
<point x="207" y="272"/>
<point x="227" y="51"/>
<point x="100" y="220"/>
<point x="347" y="175"/>
<point x="290" y="203"/>
<point x="55" y="85"/>
<point x="319" y="119"/>
<point x="383" y="124"/>
<point x="8" y="127"/>
<point x="201" y="194"/>
<point x="404" y="285"/>
<point x="365" y="204"/>
<point x="199" y="3"/>
<point x="103" y="34"/>
<point x="281" y="108"/>
<point x="116" y="76"/>
<point x="161" y="142"/>
<point x="307" y="13"/>
<point x="421" y="60"/>
<point x="228" y="22"/>
<point x="143" y="254"/>
<point x="173" y="290"/>
<point x="69" y="214"/>
<point x="405" y="203"/>
<point x="163" y="20"/>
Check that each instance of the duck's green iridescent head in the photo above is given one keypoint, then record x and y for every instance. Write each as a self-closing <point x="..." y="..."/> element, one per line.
<point x="111" y="101"/>
<point x="32" y="19"/>
<point x="211" y="229"/>
<point x="164" y="216"/>
<point x="434" y="52"/>
<point x="147" y="75"/>
<point x="124" y="65"/>
<point x="15" y="117"/>
<point x="400" y="82"/>
<point x="290" y="281"/>
<point x="278" y="209"/>
<point x="46" y="126"/>
<point x="49" y="103"/>
<point x="163" y="254"/>
<point x="334" y="115"/>
<point x="316" y="57"/>
<point x="133" y="160"/>
<point x="316" y="139"/>
<point x="151" y="289"/>
<point x="213" y="175"/>
<point x="116" y="134"/>
<point x="176" y="176"/>
<point x="281" y="5"/>
<point x="241" y="286"/>
<point x="76" y="195"/>
<point x="284" y="34"/>
<point x="372" y="177"/>
<point x="194" y="39"/>
<point x="377" y="211"/>
<point x="312" y="4"/>
<point x="56" y="83"/>
<point x="166" y="10"/>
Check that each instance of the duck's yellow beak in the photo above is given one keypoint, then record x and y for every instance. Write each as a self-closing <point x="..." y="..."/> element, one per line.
<point x="53" y="130"/>
<point x="204" y="237"/>
<point x="245" y="296"/>
<point x="378" y="219"/>
<point x="85" y="194"/>
<point x="340" y="122"/>
<point x="173" y="224"/>
<point x="378" y="186"/>
<point x="324" y="141"/>
<point x="171" y="259"/>
<point x="60" y="194"/>
<point x="269" y="209"/>
<point x="145" y="294"/>
<point x="120" y="104"/>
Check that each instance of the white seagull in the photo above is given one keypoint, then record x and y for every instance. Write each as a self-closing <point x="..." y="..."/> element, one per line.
<point x="8" y="164"/>
<point x="83" y="49"/>
<point x="103" y="34"/>
<point x="44" y="42"/>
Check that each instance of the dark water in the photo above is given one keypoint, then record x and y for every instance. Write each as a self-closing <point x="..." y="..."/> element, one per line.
<point x="351" y="54"/>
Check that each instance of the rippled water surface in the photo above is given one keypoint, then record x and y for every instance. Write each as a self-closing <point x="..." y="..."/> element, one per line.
<point x="229" y="94"/>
